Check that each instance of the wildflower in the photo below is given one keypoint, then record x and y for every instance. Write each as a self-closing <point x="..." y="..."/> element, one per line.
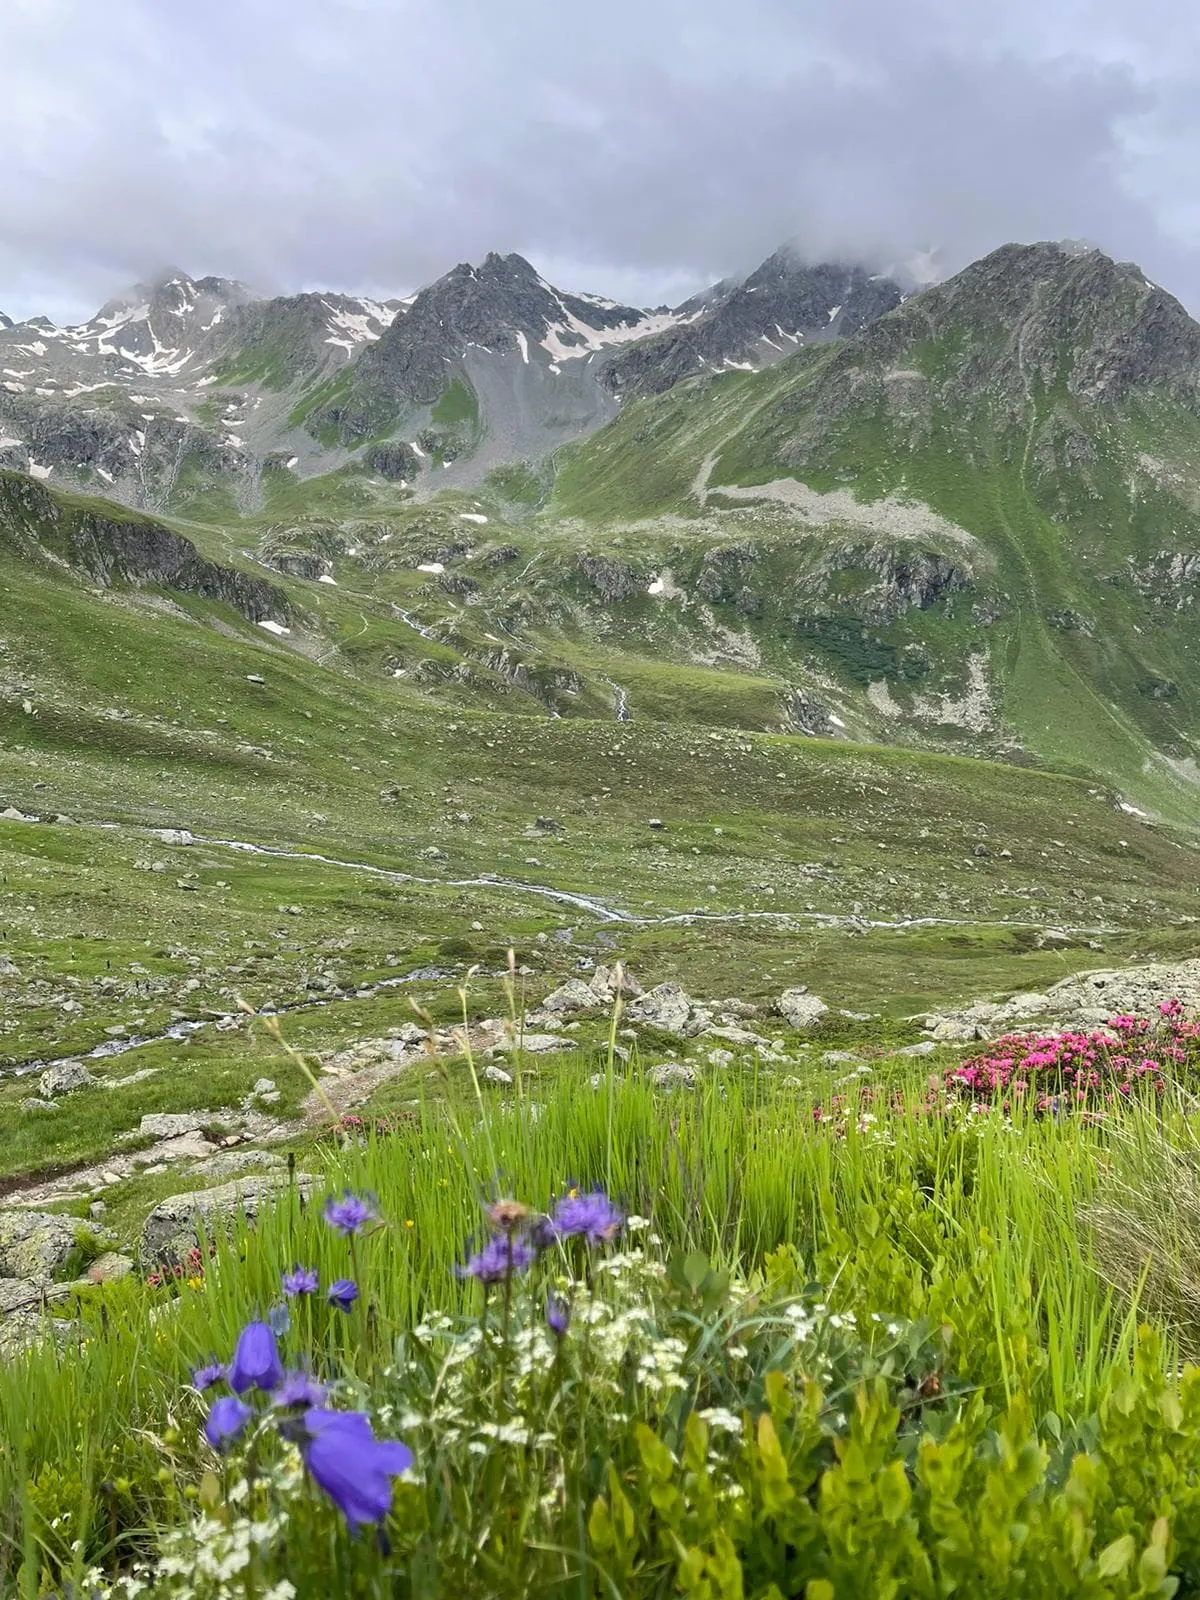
<point x="499" y="1259"/>
<point x="351" y="1213"/>
<point x="299" y="1389"/>
<point x="205" y="1377"/>
<point x="589" y="1216"/>
<point x="256" y="1363"/>
<point x="342" y="1293"/>
<point x="506" y="1216"/>
<point x="300" y="1280"/>
<point x="279" y="1319"/>
<point x="558" y="1315"/>
<point x="352" y="1466"/>
<point x="226" y="1420"/>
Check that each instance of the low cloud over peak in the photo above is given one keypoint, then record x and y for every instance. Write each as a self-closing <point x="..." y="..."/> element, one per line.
<point x="641" y="151"/>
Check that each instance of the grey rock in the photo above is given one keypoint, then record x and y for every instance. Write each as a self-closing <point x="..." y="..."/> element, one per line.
<point x="21" y="1294"/>
<point x="573" y="995"/>
<point x="32" y="1103"/>
<point x="9" y="968"/>
<point x="109" y="1268"/>
<point x="175" y="1224"/>
<point x="173" y="1124"/>
<point x="666" y="1006"/>
<point x="65" y="1077"/>
<point x="672" y="1075"/>
<point x="800" y="1009"/>
<point x="36" y="1244"/>
<point x="494" y="1074"/>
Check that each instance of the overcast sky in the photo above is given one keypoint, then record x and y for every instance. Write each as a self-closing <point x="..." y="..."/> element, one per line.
<point x="639" y="148"/>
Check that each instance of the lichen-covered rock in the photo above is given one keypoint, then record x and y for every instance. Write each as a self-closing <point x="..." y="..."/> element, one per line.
<point x="175" y="1224"/>
<point x="64" y="1077"/>
<point x="36" y="1244"/>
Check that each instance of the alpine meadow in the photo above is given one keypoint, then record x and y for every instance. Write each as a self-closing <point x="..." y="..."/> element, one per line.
<point x="600" y="938"/>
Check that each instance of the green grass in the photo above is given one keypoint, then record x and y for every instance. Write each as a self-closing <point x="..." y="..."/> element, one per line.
<point x="970" y="1240"/>
<point x="455" y="405"/>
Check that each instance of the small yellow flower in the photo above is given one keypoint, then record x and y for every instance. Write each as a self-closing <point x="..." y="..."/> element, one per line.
<point x="408" y="1222"/>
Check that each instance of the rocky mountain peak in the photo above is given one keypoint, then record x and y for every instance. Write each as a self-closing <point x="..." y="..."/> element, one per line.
<point x="1046" y="316"/>
<point x="784" y="303"/>
<point x="5" y="322"/>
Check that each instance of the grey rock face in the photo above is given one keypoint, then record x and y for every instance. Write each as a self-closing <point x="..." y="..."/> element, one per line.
<point x="781" y="305"/>
<point x="134" y="550"/>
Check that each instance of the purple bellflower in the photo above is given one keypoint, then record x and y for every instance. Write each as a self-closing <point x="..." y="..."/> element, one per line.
<point x="256" y="1363"/>
<point x="353" y="1467"/>
<point x="558" y="1315"/>
<point x="205" y="1377"/>
<point x="226" y="1420"/>
<point x="342" y="1293"/>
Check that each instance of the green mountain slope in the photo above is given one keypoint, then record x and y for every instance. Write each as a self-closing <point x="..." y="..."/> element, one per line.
<point x="1001" y="480"/>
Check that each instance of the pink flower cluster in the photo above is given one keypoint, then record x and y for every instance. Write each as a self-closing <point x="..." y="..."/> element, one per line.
<point x="1060" y="1072"/>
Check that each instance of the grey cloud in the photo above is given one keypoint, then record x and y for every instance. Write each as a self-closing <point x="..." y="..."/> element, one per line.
<point x="646" y="148"/>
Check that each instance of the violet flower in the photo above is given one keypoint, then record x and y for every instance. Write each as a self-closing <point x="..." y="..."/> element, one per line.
<point x="500" y="1258"/>
<point x="256" y="1363"/>
<point x="351" y="1213"/>
<point x="342" y="1293"/>
<point x="299" y="1389"/>
<point x="301" y="1280"/>
<point x="592" y="1217"/>
<point x="353" y="1467"/>
<point x="558" y="1316"/>
<point x="226" y="1420"/>
<point x="205" y="1377"/>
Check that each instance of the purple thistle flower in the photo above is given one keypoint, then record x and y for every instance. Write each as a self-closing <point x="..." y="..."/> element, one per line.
<point x="299" y="1389"/>
<point x="226" y="1420"/>
<point x="558" y="1315"/>
<point x="342" y="1293"/>
<point x="205" y="1377"/>
<point x="587" y="1216"/>
<point x="499" y="1259"/>
<point x="301" y="1280"/>
<point x="353" y="1467"/>
<point x="256" y="1363"/>
<point x="279" y="1319"/>
<point x="351" y="1213"/>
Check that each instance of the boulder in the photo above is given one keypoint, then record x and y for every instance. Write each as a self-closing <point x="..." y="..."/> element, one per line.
<point x="672" y="1075"/>
<point x="175" y="1224"/>
<point x="668" y="1006"/>
<point x="64" y="1077"/>
<point x="32" y="1103"/>
<point x="109" y="1268"/>
<point x="800" y="1009"/>
<point x="494" y="1074"/>
<point x="36" y="1244"/>
<point x="173" y="1124"/>
<point x="573" y="995"/>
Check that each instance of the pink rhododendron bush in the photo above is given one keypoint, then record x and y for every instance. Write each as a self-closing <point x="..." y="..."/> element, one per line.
<point x="1072" y="1069"/>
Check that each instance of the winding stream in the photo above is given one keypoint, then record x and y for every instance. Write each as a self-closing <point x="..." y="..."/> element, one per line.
<point x="591" y="904"/>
